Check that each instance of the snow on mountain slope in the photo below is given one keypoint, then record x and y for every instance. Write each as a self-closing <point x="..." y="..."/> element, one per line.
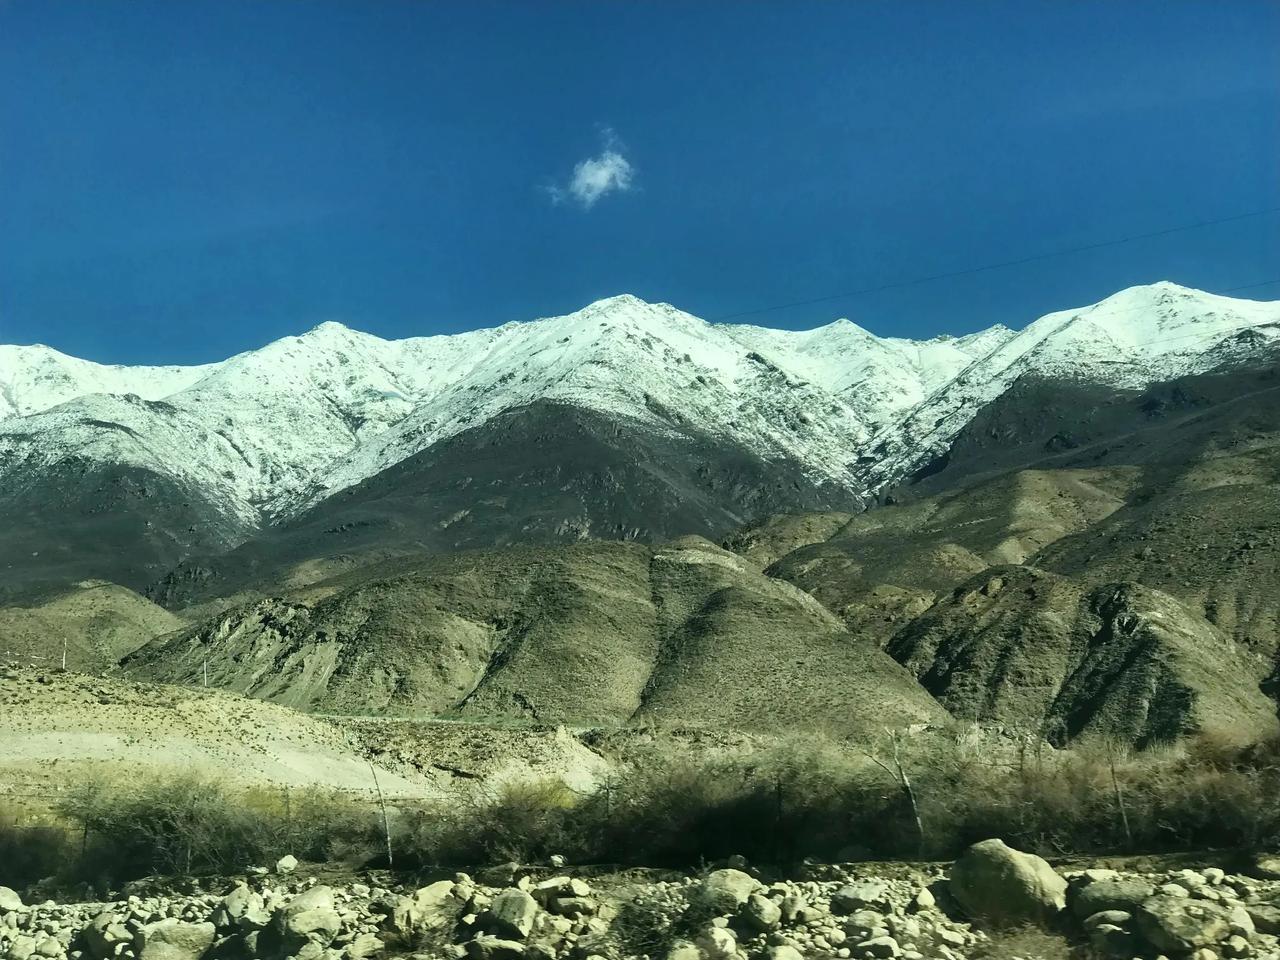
<point x="1135" y="337"/>
<point x="269" y="432"/>
<point x="879" y="377"/>
<point x="626" y="357"/>
<point x="37" y="377"/>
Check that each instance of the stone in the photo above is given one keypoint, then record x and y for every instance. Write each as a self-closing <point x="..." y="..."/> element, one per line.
<point x="494" y="948"/>
<point x="22" y="948"/>
<point x="1096" y="874"/>
<point x="795" y="909"/>
<point x="511" y="914"/>
<point x="949" y="937"/>
<point x="760" y="913"/>
<point x="1267" y="866"/>
<point x="574" y="907"/>
<point x="1237" y="946"/>
<point x="433" y="907"/>
<point x="311" y="916"/>
<point x="880" y="947"/>
<point x="1241" y="922"/>
<point x="684" y="950"/>
<point x="1117" y="918"/>
<point x="499" y="875"/>
<point x="242" y="902"/>
<point x="173" y="939"/>
<point x="994" y="882"/>
<point x="718" y="943"/>
<point x="1265" y="917"/>
<point x="1119" y="893"/>
<point x="287" y="864"/>
<point x="1110" y="940"/>
<point x="9" y="900"/>
<point x="104" y="933"/>
<point x="364" y="946"/>
<point x="724" y="891"/>
<point x="1177" y="925"/>
<point x="865" y="924"/>
<point x="784" y="952"/>
<point x="924" y="899"/>
<point x="861" y="893"/>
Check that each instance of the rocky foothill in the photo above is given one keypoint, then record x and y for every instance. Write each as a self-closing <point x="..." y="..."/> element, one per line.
<point x="732" y="912"/>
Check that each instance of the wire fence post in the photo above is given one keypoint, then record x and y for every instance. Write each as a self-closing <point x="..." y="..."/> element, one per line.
<point x="382" y="803"/>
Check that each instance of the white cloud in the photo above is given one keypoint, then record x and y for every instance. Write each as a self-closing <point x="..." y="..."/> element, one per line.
<point x="595" y="177"/>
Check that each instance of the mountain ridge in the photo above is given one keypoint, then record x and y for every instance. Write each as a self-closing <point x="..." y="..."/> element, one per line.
<point x="250" y="442"/>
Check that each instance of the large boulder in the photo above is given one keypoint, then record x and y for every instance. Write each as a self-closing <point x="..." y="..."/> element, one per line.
<point x="433" y="907"/>
<point x="173" y="939"/>
<point x="992" y="881"/>
<point x="760" y="913"/>
<point x="310" y="917"/>
<point x="724" y="891"/>
<point x="9" y="900"/>
<point x="1180" y="925"/>
<point x="512" y="913"/>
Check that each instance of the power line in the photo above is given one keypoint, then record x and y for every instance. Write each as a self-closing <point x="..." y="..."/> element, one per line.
<point x="898" y="284"/>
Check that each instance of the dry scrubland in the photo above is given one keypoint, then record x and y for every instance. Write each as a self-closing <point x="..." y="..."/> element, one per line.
<point x="546" y="896"/>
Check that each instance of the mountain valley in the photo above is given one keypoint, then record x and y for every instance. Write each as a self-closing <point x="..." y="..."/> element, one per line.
<point x="551" y="551"/>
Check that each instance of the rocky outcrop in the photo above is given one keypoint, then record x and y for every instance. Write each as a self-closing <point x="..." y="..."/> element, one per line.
<point x="1040" y="652"/>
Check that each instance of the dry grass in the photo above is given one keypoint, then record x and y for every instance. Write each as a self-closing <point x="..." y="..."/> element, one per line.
<point x="812" y="797"/>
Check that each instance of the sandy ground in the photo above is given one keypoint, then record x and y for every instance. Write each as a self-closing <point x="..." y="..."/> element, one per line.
<point x="58" y="728"/>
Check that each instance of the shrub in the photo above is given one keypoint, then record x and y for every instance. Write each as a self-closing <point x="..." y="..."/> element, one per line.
<point x="31" y="848"/>
<point x="808" y="797"/>
<point x="188" y="824"/>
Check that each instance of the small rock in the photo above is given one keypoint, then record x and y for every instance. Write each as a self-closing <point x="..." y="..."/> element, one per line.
<point x="286" y="864"/>
<point x="863" y="893"/>
<point x="880" y="947"/>
<point x="723" y="891"/>
<point x="1237" y="946"/>
<point x="494" y="948"/>
<point x="1118" y="893"/>
<point x="1117" y="918"/>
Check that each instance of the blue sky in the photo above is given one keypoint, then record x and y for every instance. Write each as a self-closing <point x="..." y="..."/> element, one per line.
<point x="183" y="180"/>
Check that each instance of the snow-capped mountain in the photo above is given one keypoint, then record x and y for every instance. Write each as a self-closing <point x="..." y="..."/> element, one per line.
<point x="269" y="433"/>
<point x="1135" y="337"/>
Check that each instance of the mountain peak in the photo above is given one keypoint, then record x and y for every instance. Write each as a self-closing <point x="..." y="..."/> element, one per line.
<point x="331" y="328"/>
